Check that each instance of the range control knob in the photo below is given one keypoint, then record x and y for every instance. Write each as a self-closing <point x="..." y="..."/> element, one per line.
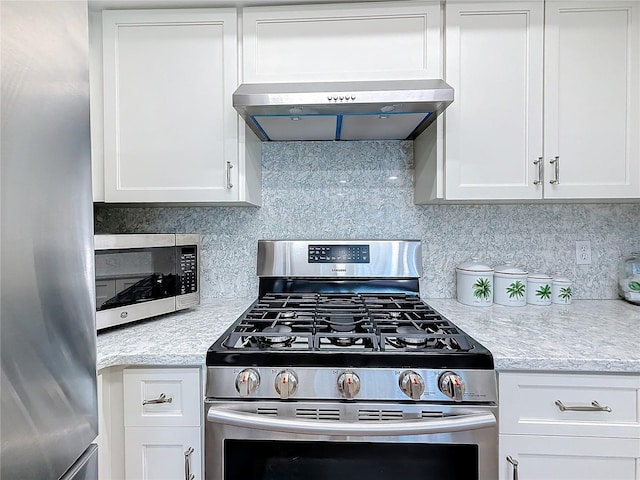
<point x="451" y="385"/>
<point x="349" y="384"/>
<point x="411" y="384"/>
<point x="247" y="382"/>
<point x="286" y="383"/>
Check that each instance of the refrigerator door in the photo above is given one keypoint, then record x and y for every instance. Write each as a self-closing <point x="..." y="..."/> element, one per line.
<point x="49" y="399"/>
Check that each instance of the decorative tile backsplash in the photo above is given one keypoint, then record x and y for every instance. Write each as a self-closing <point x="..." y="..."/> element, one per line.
<point x="356" y="190"/>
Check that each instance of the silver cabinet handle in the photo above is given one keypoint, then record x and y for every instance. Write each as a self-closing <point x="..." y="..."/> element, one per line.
<point x="513" y="462"/>
<point x="161" y="399"/>
<point x="539" y="163"/>
<point x="187" y="465"/>
<point x="229" y="184"/>
<point x="456" y="423"/>
<point x="594" y="407"/>
<point x="556" y="163"/>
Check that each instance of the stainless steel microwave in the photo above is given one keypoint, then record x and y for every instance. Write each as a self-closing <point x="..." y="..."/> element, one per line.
<point x="143" y="275"/>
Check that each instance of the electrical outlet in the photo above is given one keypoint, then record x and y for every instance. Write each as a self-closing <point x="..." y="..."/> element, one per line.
<point x="583" y="252"/>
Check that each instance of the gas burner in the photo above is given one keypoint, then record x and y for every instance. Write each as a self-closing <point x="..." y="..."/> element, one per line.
<point x="277" y="336"/>
<point x="394" y="315"/>
<point x="411" y="336"/>
<point x="343" y="341"/>
<point x="289" y="314"/>
<point x="342" y="322"/>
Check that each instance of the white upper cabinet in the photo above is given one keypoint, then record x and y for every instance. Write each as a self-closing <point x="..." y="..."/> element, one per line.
<point x="514" y="134"/>
<point x="592" y="99"/>
<point x="170" y="131"/>
<point x="494" y="59"/>
<point x="341" y="42"/>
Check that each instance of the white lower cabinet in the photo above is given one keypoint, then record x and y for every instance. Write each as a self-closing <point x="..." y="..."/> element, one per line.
<point x="158" y="453"/>
<point x="569" y="426"/>
<point x="568" y="458"/>
<point x="150" y="423"/>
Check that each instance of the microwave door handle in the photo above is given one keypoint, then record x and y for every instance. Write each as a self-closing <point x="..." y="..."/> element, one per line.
<point x="455" y="423"/>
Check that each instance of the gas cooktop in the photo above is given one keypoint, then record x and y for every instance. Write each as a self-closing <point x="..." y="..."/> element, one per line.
<point x="347" y="329"/>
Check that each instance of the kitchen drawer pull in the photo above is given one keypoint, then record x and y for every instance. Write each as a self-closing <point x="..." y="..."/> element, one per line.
<point x="187" y="464"/>
<point x="161" y="399"/>
<point x="539" y="163"/>
<point x="229" y="184"/>
<point x="513" y="462"/>
<point x="556" y="164"/>
<point x="594" y="407"/>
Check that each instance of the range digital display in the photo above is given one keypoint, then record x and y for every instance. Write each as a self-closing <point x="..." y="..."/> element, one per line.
<point x="339" y="254"/>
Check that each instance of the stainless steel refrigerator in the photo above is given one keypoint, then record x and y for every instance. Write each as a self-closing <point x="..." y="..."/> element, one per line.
<point x="48" y="416"/>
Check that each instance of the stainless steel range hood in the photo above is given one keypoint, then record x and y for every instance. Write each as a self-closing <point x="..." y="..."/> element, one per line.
<point x="372" y="110"/>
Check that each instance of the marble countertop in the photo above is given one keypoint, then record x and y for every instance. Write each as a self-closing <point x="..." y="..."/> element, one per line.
<point x="586" y="336"/>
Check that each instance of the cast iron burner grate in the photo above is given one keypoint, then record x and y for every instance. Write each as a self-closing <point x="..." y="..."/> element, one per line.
<point x="345" y="322"/>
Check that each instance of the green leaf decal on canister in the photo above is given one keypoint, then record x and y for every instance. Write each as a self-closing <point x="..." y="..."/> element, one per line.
<point x="635" y="286"/>
<point x="565" y="294"/>
<point x="482" y="289"/>
<point x="516" y="289"/>
<point x="544" y="292"/>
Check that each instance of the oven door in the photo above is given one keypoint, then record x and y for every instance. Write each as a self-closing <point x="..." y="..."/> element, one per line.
<point x="343" y="441"/>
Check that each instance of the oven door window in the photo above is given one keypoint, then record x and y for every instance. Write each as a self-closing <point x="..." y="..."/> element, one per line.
<point x="130" y="276"/>
<point x="270" y="460"/>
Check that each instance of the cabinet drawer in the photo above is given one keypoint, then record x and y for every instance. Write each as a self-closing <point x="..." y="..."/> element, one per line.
<point x="528" y="404"/>
<point x="157" y="397"/>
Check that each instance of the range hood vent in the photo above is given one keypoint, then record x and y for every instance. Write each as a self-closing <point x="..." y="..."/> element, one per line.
<point x="375" y="110"/>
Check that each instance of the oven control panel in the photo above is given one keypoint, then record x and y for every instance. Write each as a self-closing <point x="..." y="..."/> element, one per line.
<point x="358" y="384"/>
<point x="339" y="254"/>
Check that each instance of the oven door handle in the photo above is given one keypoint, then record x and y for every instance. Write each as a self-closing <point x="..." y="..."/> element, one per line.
<point x="455" y="423"/>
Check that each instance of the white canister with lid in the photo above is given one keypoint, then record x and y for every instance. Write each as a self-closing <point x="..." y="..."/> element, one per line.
<point x="510" y="286"/>
<point x="561" y="290"/>
<point x="539" y="289"/>
<point x="474" y="282"/>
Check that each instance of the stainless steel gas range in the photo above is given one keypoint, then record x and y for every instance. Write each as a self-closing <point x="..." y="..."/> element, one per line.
<point x="339" y="371"/>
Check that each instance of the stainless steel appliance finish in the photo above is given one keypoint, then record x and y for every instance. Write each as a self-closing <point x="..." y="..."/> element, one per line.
<point x="338" y="370"/>
<point x="49" y="399"/>
<point x="383" y="428"/>
<point x="364" y="110"/>
<point x="377" y="384"/>
<point x="386" y="258"/>
<point x="140" y="276"/>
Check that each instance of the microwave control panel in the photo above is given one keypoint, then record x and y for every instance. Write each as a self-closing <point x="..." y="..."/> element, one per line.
<point x="188" y="270"/>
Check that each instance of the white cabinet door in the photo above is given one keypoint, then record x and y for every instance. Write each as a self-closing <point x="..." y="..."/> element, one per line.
<point x="494" y="61"/>
<point x="569" y="458"/>
<point x="592" y="99"/>
<point x="160" y="453"/>
<point x="170" y="130"/>
<point x="370" y="41"/>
